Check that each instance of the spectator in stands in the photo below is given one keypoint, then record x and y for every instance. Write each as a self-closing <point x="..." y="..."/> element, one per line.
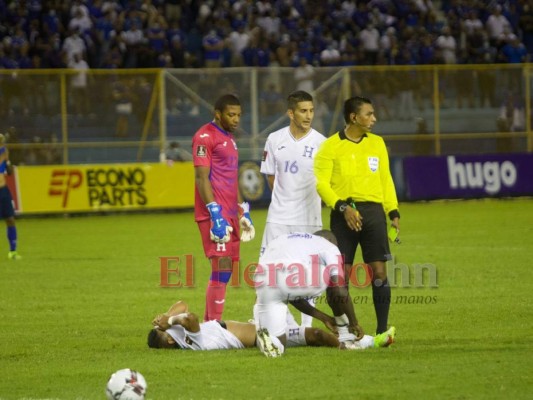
<point x="387" y="39"/>
<point x="54" y="155"/>
<point x="78" y="85"/>
<point x="303" y="76"/>
<point x="80" y="21"/>
<point x="213" y="45"/>
<point x="282" y="23"/>
<point x="157" y="41"/>
<point x="369" y="38"/>
<point x="271" y="101"/>
<point x="472" y="22"/>
<point x="123" y="98"/>
<point x="73" y="44"/>
<point x="330" y="56"/>
<point x="448" y="46"/>
<point x="513" y="52"/>
<point x="526" y="25"/>
<point x="173" y="10"/>
<point x="422" y="146"/>
<point x="495" y="25"/>
<point x="134" y="39"/>
<point x="238" y="41"/>
<point x="176" y="153"/>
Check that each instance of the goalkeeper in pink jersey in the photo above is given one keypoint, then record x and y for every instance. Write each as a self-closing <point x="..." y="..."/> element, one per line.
<point x="218" y="208"/>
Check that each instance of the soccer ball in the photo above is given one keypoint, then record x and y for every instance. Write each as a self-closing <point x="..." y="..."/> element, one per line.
<point x="126" y="384"/>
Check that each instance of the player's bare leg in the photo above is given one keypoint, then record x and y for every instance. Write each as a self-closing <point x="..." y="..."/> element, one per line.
<point x="244" y="331"/>
<point x="318" y="337"/>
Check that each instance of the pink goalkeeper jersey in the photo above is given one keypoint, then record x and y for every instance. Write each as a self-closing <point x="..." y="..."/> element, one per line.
<point x="215" y="148"/>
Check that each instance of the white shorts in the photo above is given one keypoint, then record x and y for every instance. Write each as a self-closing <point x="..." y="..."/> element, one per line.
<point x="270" y="309"/>
<point x="273" y="230"/>
<point x="295" y="336"/>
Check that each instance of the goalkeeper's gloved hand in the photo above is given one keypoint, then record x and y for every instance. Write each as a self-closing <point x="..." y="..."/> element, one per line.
<point x="220" y="231"/>
<point x="245" y="221"/>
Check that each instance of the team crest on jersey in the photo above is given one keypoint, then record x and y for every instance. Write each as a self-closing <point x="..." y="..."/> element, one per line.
<point x="265" y="153"/>
<point x="201" y="151"/>
<point x="373" y="163"/>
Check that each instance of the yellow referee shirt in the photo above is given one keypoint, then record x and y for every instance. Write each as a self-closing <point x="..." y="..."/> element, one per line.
<point x="361" y="171"/>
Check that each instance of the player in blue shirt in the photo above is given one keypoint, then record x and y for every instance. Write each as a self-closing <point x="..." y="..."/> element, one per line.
<point x="7" y="211"/>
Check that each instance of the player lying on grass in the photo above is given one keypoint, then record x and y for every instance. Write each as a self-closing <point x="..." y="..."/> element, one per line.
<point x="180" y="329"/>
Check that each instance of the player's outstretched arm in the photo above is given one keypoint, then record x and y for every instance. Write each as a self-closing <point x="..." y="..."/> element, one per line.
<point x="303" y="306"/>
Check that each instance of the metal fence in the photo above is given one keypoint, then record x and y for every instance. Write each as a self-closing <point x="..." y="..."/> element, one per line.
<point x="97" y="116"/>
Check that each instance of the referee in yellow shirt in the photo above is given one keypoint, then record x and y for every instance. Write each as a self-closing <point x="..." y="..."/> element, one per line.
<point x="354" y="179"/>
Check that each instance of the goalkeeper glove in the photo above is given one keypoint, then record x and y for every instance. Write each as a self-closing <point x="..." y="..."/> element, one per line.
<point x="245" y="221"/>
<point x="220" y="229"/>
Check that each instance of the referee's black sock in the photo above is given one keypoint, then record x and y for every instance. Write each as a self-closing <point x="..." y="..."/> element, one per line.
<point x="381" y="295"/>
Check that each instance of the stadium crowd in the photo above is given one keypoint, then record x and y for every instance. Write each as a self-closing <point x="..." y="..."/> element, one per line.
<point x="224" y="33"/>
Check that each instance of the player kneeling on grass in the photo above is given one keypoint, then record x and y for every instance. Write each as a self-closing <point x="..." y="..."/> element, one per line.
<point x="180" y="329"/>
<point x="299" y="266"/>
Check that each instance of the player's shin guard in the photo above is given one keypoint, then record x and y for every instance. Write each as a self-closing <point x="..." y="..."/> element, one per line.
<point x="381" y="295"/>
<point x="12" y="237"/>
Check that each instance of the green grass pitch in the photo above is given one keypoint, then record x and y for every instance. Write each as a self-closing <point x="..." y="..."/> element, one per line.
<point x="78" y="306"/>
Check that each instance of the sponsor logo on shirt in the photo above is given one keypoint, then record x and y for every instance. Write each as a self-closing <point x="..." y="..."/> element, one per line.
<point x="373" y="163"/>
<point x="201" y="151"/>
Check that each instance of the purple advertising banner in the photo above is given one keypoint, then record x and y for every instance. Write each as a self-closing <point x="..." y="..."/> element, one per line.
<point x="450" y="177"/>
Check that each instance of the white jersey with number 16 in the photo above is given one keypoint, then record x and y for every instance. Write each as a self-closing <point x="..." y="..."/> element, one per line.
<point x="295" y="200"/>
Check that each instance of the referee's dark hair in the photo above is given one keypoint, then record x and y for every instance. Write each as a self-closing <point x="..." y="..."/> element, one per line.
<point x="226" y="100"/>
<point x="353" y="105"/>
<point x="296" y="97"/>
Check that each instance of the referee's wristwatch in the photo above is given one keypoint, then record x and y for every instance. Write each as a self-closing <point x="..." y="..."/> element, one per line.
<point x="341" y="206"/>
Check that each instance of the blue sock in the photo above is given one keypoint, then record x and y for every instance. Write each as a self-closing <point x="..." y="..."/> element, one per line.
<point x="12" y="237"/>
<point x="220" y="276"/>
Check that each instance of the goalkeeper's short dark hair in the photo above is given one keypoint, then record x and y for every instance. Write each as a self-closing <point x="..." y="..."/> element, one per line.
<point x="225" y="101"/>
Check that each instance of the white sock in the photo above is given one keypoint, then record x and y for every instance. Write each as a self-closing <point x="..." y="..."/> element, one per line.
<point x="367" y="342"/>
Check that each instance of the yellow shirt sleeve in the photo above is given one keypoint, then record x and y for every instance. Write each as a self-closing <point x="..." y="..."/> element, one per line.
<point x="323" y="168"/>
<point x="390" y="201"/>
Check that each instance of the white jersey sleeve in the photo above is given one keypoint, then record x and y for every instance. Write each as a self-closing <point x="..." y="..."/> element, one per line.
<point x="212" y="336"/>
<point x="268" y="163"/>
<point x="295" y="200"/>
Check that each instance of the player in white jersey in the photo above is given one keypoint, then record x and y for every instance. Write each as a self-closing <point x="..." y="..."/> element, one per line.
<point x="297" y="266"/>
<point x="180" y="329"/>
<point x="288" y="164"/>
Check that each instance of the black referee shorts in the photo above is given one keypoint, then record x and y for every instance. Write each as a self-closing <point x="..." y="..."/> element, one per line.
<point x="373" y="237"/>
